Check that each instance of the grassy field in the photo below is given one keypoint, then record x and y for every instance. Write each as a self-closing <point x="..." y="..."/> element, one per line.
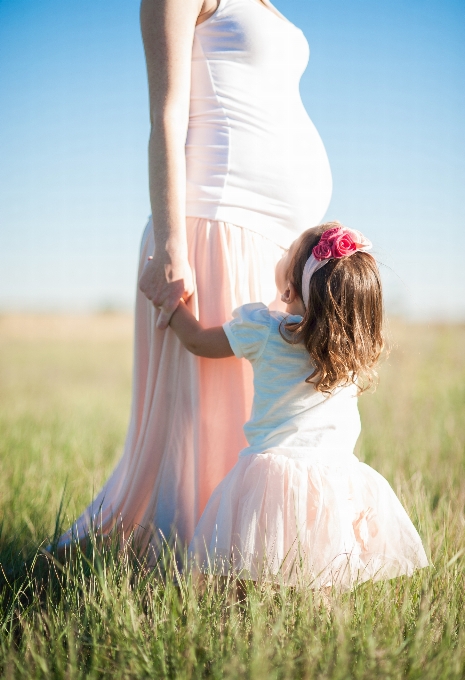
<point x="64" y="404"/>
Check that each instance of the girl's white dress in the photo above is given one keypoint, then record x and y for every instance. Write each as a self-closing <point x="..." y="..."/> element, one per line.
<point x="298" y="503"/>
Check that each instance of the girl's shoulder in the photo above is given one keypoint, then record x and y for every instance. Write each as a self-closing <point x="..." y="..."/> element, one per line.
<point x="248" y="330"/>
<point x="257" y="312"/>
<point x="252" y="326"/>
<point x="253" y="313"/>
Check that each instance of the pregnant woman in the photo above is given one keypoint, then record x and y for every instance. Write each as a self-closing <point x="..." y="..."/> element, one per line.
<point x="237" y="170"/>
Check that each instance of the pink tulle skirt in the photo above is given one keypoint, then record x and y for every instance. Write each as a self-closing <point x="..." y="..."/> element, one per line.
<point x="296" y="519"/>
<point x="187" y="414"/>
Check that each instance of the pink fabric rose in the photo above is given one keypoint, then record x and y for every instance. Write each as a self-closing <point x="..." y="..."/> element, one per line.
<point x="343" y="245"/>
<point x="360" y="240"/>
<point x="322" y="251"/>
<point x="329" y="234"/>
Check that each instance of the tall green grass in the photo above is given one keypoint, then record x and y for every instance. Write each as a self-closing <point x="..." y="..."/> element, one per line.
<point x="64" y="405"/>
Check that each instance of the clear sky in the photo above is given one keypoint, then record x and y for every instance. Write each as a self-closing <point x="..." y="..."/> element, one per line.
<point x="384" y="87"/>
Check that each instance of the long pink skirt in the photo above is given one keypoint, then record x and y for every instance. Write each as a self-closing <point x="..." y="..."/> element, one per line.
<point x="187" y="414"/>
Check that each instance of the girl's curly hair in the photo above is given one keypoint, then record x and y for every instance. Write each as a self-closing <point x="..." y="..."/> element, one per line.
<point x="342" y="329"/>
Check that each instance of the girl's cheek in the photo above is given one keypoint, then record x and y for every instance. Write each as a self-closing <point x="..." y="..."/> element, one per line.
<point x="278" y="273"/>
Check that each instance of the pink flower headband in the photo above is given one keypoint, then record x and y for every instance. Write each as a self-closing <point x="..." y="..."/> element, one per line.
<point x="334" y="243"/>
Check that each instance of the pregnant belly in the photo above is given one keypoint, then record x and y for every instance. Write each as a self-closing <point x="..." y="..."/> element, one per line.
<point x="275" y="167"/>
<point x="309" y="173"/>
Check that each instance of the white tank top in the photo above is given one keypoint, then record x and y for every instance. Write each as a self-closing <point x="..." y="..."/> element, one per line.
<point x="254" y="158"/>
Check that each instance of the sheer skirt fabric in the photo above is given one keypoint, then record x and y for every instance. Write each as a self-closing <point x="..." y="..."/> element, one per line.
<point x="293" y="519"/>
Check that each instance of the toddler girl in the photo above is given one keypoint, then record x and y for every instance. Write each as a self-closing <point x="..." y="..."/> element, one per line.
<point x="298" y="503"/>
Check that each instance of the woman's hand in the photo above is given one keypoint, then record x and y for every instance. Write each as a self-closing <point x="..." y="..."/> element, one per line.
<point x="164" y="280"/>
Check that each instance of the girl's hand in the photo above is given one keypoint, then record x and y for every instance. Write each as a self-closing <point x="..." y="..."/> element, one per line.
<point x="164" y="280"/>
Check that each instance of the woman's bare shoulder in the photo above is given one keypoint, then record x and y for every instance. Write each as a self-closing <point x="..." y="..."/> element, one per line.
<point x="172" y="11"/>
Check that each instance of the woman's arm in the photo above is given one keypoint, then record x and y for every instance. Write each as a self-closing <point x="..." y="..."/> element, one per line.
<point x="168" y="32"/>
<point x="204" y="342"/>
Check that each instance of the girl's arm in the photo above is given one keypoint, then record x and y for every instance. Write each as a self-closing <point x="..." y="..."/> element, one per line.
<point x="204" y="342"/>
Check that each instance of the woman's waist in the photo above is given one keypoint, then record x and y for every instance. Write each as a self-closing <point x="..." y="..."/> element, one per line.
<point x="213" y="129"/>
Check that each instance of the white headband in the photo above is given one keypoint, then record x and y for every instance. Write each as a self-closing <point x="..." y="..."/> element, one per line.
<point x="334" y="243"/>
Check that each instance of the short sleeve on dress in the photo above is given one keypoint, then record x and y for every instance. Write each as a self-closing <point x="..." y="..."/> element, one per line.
<point x="248" y="331"/>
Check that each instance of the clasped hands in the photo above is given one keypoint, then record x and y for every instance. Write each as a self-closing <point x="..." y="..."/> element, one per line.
<point x="164" y="284"/>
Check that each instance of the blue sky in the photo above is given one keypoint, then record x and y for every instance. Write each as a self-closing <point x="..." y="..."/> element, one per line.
<point x="384" y="86"/>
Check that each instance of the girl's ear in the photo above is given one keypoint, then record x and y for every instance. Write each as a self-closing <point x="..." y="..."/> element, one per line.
<point x="289" y="294"/>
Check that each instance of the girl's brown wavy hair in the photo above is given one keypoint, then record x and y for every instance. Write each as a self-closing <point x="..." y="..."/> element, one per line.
<point x="342" y="329"/>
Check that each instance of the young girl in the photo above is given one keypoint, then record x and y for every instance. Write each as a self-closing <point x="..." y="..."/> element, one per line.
<point x="298" y="503"/>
